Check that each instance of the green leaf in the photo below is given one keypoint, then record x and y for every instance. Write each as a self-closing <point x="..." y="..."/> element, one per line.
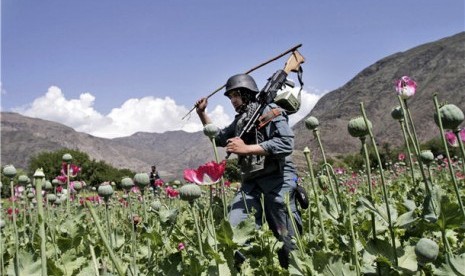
<point x="225" y="234"/>
<point x="458" y="264"/>
<point x="406" y="219"/>
<point x="408" y="261"/>
<point x="337" y="267"/>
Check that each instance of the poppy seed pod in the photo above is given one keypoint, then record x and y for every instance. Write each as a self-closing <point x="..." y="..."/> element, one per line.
<point x="127" y="183"/>
<point x="190" y="192"/>
<point x="67" y="157"/>
<point x="156" y="205"/>
<point x="211" y="130"/>
<point x="23" y="179"/>
<point x="358" y="128"/>
<point x="397" y="113"/>
<point x="9" y="171"/>
<point x="105" y="190"/>
<point x="39" y="173"/>
<point x="451" y="117"/>
<point x="426" y="250"/>
<point x="47" y="185"/>
<point x="141" y="179"/>
<point x="78" y="185"/>
<point x="426" y="157"/>
<point x="311" y="123"/>
<point x="55" y="182"/>
<point x="51" y="198"/>
<point x="323" y="182"/>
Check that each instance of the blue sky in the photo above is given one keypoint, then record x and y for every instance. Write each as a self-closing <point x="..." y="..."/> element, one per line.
<point x="111" y="68"/>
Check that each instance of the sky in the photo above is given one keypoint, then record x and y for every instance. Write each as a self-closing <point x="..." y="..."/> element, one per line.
<point x="111" y="68"/>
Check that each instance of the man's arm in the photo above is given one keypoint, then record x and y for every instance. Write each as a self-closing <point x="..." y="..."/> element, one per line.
<point x="201" y="105"/>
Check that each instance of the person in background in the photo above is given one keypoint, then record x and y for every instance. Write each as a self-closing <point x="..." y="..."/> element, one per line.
<point x="153" y="176"/>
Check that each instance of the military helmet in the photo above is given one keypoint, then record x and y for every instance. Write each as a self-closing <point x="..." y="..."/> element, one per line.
<point x="241" y="81"/>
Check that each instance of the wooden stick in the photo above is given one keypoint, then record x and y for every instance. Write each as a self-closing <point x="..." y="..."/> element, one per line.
<point x="248" y="72"/>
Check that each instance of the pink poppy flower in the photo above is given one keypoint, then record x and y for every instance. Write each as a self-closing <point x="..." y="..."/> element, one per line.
<point x="401" y="156"/>
<point x="172" y="193"/>
<point x="451" y="138"/>
<point x="73" y="169"/>
<point x="181" y="246"/>
<point x="61" y="179"/>
<point x="159" y="183"/>
<point x="406" y="87"/>
<point x="207" y="174"/>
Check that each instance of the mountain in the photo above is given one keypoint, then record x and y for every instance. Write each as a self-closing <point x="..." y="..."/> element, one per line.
<point x="438" y="67"/>
<point x="23" y="137"/>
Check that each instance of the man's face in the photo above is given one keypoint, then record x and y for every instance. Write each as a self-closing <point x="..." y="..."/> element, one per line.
<point x="153" y="168"/>
<point x="236" y="100"/>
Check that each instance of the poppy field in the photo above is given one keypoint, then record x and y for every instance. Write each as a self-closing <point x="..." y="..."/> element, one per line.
<point x="402" y="218"/>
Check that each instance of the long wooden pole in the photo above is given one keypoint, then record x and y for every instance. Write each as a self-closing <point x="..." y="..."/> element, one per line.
<point x="250" y="71"/>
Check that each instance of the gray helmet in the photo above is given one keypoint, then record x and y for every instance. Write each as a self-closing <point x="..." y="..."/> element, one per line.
<point x="242" y="81"/>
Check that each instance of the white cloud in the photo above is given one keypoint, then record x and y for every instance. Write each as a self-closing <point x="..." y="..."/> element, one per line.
<point x="146" y="114"/>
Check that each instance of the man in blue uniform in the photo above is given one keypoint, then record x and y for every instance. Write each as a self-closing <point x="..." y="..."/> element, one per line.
<point x="264" y="159"/>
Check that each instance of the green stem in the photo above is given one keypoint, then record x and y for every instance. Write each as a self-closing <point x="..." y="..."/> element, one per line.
<point x="223" y="194"/>
<point x="352" y="239"/>
<point x="41" y="219"/>
<point x="316" y="133"/>
<point x="462" y="149"/>
<point x="294" y="227"/>
<point x="316" y="197"/>
<point x="407" y="144"/>
<point x="415" y="141"/>
<point x="197" y="228"/>
<point x="451" y="169"/>
<point x="94" y="259"/>
<point x="370" y="188"/>
<point x="15" y="228"/>
<point x="107" y="215"/>
<point x="113" y="257"/>
<point x="383" y="184"/>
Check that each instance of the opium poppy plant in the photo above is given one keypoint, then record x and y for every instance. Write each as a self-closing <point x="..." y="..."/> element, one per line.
<point x="206" y="174"/>
<point x="406" y="87"/>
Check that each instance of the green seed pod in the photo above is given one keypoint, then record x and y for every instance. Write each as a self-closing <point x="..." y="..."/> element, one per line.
<point x="211" y="130"/>
<point x="190" y="192"/>
<point x="156" y="205"/>
<point x="30" y="195"/>
<point x="311" y="123"/>
<point x="47" y="185"/>
<point x="2" y="223"/>
<point x="323" y="182"/>
<point x="39" y="173"/>
<point x="55" y="182"/>
<point x="141" y="180"/>
<point x="51" y="198"/>
<point x="78" y="185"/>
<point x="105" y="190"/>
<point x="426" y="250"/>
<point x="9" y="171"/>
<point x="358" y="128"/>
<point x="426" y="157"/>
<point x="397" y="113"/>
<point x="176" y="182"/>
<point x="23" y="179"/>
<point x="67" y="158"/>
<point x="57" y="201"/>
<point x="451" y="117"/>
<point x="127" y="183"/>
